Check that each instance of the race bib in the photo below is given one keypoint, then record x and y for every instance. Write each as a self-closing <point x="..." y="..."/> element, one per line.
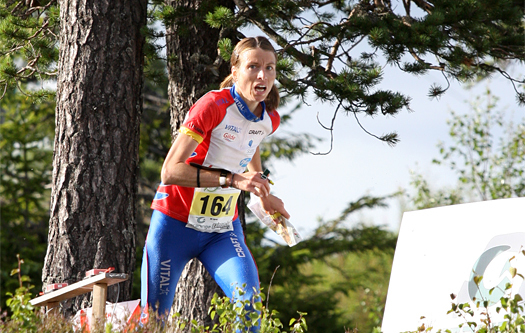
<point x="212" y="209"/>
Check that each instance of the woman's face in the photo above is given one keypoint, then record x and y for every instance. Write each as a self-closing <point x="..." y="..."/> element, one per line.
<point x="254" y="76"/>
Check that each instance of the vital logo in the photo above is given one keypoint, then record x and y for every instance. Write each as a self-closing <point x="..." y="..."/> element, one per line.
<point x="229" y="137"/>
<point x="233" y="128"/>
<point x="256" y="132"/>
<point x="237" y="245"/>
<point x="165" y="272"/>
<point x="244" y="162"/>
<point x="221" y="101"/>
<point x="240" y="105"/>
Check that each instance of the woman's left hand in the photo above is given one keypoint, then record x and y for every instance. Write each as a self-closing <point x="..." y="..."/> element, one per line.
<point x="273" y="204"/>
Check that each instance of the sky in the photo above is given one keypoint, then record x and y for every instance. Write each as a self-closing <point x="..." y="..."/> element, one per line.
<point x="321" y="186"/>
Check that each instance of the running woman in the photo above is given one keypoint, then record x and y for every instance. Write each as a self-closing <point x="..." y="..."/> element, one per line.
<point x="194" y="209"/>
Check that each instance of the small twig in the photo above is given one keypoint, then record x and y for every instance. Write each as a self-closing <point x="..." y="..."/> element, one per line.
<point x="331" y="129"/>
<point x="21" y="90"/>
<point x="271" y="280"/>
<point x="5" y="90"/>
<point x="367" y="132"/>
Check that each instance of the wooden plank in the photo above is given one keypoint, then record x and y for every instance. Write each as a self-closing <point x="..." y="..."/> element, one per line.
<point x="79" y="288"/>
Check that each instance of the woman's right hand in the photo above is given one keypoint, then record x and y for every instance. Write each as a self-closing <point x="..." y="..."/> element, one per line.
<point x="253" y="182"/>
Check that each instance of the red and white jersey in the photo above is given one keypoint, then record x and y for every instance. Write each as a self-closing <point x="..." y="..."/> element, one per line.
<point x="228" y="134"/>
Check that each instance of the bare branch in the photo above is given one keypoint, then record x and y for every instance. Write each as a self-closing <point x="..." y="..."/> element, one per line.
<point x="331" y="129"/>
<point x="406" y="3"/>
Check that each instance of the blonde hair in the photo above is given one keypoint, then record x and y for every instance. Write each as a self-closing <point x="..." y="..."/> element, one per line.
<point x="250" y="43"/>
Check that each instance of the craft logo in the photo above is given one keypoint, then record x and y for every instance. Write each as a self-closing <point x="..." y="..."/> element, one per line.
<point x="256" y="132"/>
<point x="233" y="128"/>
<point x="229" y="137"/>
<point x="494" y="265"/>
<point x="194" y="127"/>
<point x="237" y="245"/>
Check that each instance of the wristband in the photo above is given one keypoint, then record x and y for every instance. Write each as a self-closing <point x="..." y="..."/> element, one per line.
<point x="231" y="182"/>
<point x="222" y="179"/>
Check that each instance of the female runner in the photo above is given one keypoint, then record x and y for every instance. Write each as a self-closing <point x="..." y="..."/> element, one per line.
<point x="195" y="212"/>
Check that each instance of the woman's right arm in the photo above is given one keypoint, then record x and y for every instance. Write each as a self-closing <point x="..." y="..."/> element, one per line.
<point x="175" y="171"/>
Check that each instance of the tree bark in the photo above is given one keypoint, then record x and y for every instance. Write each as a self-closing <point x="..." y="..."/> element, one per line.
<point x="95" y="167"/>
<point x="195" y="69"/>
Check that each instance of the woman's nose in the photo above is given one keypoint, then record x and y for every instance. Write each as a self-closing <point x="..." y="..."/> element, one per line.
<point x="261" y="74"/>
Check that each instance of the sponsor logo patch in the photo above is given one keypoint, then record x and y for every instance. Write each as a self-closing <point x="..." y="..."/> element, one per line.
<point x="194" y="127"/>
<point x="160" y="196"/>
<point x="233" y="128"/>
<point x="221" y="101"/>
<point x="237" y="245"/>
<point x="229" y="137"/>
<point x="165" y="277"/>
<point x="244" y="162"/>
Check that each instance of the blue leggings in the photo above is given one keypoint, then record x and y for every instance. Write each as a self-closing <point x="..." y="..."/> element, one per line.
<point x="170" y="245"/>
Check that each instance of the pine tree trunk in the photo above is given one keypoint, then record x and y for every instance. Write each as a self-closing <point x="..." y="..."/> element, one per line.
<point x="95" y="167"/>
<point x="195" y="69"/>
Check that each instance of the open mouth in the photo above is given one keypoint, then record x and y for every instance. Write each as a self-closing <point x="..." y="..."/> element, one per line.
<point x="260" y="88"/>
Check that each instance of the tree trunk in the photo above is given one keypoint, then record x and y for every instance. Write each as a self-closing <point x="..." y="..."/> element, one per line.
<point x="95" y="167"/>
<point x="195" y="69"/>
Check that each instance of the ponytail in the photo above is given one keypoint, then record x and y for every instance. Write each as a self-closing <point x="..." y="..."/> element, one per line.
<point x="227" y="82"/>
<point x="273" y="99"/>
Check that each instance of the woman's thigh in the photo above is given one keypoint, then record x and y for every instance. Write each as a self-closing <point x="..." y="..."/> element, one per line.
<point x="169" y="246"/>
<point x="228" y="259"/>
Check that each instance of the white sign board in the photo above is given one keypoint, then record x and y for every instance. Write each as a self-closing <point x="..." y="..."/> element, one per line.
<point x="439" y="252"/>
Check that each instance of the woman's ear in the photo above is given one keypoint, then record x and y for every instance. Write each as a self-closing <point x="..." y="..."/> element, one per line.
<point x="234" y="73"/>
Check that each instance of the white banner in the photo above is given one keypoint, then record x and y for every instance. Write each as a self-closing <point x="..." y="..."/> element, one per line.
<point x="439" y="252"/>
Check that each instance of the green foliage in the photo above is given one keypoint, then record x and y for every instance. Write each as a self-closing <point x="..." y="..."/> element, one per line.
<point x="491" y="169"/>
<point x="232" y="316"/>
<point x="23" y="314"/>
<point x="463" y="40"/>
<point x="338" y="276"/>
<point x="26" y="152"/>
<point x="487" y="154"/>
<point x="28" y="43"/>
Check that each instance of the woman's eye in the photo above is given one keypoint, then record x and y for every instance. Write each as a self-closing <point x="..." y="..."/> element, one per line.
<point x="270" y="68"/>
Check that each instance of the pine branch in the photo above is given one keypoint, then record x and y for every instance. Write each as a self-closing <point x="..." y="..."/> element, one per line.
<point x="253" y="15"/>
